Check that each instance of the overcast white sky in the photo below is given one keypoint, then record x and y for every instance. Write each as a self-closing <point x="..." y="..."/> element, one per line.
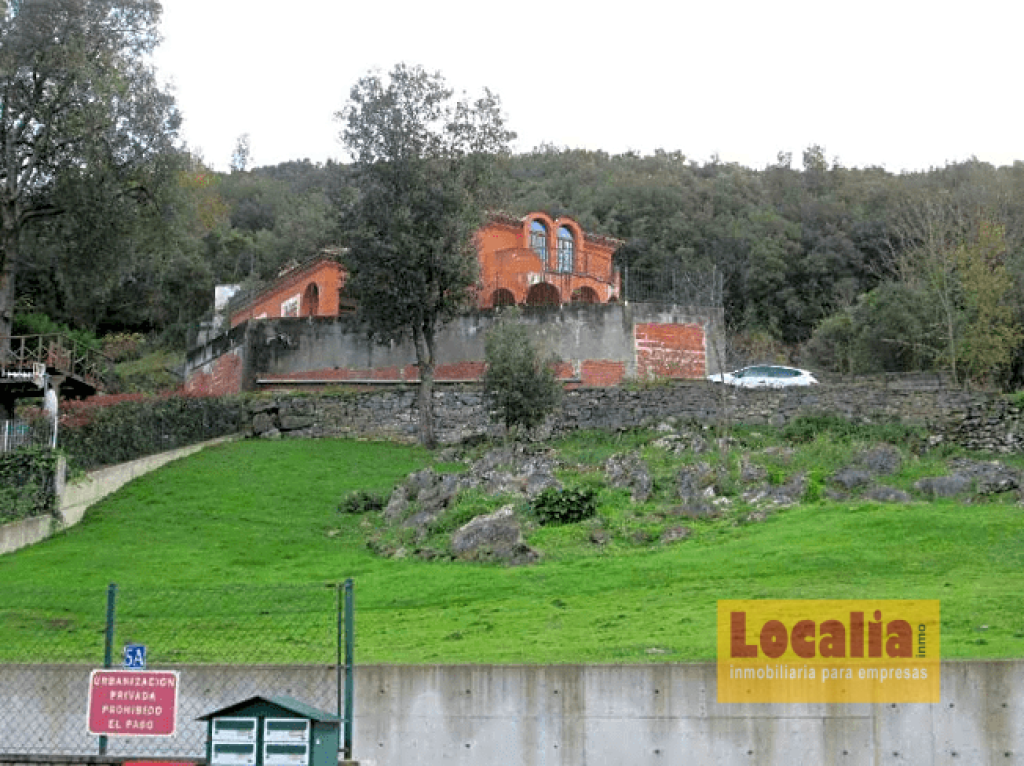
<point x="905" y="84"/>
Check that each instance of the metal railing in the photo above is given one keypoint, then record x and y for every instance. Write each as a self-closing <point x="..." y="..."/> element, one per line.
<point x="15" y="434"/>
<point x="554" y="287"/>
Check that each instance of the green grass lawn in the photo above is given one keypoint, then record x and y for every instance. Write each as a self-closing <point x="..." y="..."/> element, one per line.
<point x="262" y="517"/>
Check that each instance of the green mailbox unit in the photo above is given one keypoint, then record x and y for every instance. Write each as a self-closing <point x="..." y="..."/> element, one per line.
<point x="271" y="731"/>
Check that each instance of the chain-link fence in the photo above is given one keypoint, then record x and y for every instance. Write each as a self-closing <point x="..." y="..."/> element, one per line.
<point x="227" y="644"/>
<point x="697" y="287"/>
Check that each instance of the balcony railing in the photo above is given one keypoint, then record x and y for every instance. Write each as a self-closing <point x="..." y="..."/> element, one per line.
<point x="21" y="355"/>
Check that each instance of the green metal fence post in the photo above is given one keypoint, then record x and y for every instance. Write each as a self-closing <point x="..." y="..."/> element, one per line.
<point x="349" y="664"/>
<point x="340" y="610"/>
<point x="108" y="645"/>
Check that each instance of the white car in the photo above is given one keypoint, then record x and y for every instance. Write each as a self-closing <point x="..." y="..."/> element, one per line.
<point x="766" y="376"/>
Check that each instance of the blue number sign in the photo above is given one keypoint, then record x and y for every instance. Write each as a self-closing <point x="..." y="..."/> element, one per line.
<point x="135" y="657"/>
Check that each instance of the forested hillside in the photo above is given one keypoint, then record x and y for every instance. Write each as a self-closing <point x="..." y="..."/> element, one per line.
<point x="844" y="269"/>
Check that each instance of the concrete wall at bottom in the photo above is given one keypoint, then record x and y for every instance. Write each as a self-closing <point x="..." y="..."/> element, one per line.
<point x="569" y="715"/>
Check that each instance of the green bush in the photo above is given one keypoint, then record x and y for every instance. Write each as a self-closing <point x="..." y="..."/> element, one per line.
<point x="566" y="506"/>
<point x="362" y="501"/>
<point x="806" y="428"/>
<point x="518" y="380"/>
<point x="27" y="483"/>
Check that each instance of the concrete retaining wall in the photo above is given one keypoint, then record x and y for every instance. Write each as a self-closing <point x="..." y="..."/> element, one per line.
<point x="571" y="715"/>
<point x="598" y="344"/>
<point x="75" y="498"/>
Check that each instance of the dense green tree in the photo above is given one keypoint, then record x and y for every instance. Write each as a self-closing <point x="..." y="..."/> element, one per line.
<point x="991" y="332"/>
<point x="424" y="164"/>
<point x="83" y="126"/>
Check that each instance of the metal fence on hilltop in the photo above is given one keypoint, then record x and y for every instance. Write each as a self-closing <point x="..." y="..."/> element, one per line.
<point x="227" y="644"/>
<point x="683" y="287"/>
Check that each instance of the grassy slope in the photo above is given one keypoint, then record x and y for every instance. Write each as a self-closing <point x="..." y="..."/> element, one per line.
<point x="265" y="513"/>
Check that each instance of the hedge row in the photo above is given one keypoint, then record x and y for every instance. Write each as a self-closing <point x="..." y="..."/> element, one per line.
<point x="111" y="430"/>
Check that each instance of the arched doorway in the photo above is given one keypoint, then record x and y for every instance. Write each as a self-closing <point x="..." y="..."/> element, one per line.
<point x="543" y="294"/>
<point x="311" y="300"/>
<point x="502" y="297"/>
<point x="585" y="295"/>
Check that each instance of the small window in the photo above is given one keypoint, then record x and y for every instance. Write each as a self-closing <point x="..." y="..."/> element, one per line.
<point x="539" y="239"/>
<point x="566" y="249"/>
<point x="290" y="307"/>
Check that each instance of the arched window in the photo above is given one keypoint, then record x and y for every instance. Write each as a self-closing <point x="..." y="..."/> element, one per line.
<point x="539" y="240"/>
<point x="566" y="249"/>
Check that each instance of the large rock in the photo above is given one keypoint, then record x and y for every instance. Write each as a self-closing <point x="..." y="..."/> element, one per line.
<point x="262" y="422"/>
<point x="988" y="477"/>
<point x="852" y="477"/>
<point x="771" y="496"/>
<point x="495" y="536"/>
<point x="398" y="504"/>
<point x="881" y="460"/>
<point x="692" y="481"/>
<point x="513" y="471"/>
<point x="630" y="471"/>
<point x="943" y="486"/>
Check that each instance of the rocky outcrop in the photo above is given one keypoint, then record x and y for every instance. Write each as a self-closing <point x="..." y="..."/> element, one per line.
<point x="630" y="472"/>
<point x="496" y="536"/>
<point x="971" y="477"/>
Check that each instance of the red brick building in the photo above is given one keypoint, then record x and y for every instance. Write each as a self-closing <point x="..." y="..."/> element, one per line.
<point x="535" y="260"/>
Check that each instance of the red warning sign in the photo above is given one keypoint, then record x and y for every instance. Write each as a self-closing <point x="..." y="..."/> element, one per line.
<point x="133" y="703"/>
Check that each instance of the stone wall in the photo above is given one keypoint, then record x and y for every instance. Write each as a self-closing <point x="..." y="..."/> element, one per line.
<point x="972" y="419"/>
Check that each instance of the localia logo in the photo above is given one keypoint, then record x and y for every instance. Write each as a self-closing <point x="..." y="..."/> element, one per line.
<point x="828" y="651"/>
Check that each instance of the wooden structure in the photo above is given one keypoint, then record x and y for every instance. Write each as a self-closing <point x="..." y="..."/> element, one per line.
<point x="26" y="361"/>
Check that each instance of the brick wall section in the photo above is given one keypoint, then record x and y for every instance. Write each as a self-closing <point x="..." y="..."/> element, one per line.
<point x="670" y="351"/>
<point x="219" y="377"/>
<point x="594" y="372"/>
<point x="334" y="374"/>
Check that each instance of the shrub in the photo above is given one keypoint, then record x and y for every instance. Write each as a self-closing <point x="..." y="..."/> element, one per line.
<point x="518" y="380"/>
<point x="37" y="323"/>
<point x="362" y="501"/>
<point x="804" y="430"/>
<point x="106" y="430"/>
<point x="123" y="346"/>
<point x="566" y="506"/>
